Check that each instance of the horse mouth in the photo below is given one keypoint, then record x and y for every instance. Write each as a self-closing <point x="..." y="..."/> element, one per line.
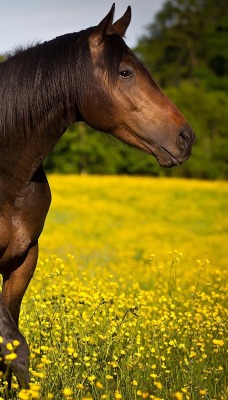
<point x="169" y="161"/>
<point x="162" y="155"/>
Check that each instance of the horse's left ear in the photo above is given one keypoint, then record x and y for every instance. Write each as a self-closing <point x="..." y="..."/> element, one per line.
<point x="121" y="25"/>
<point x="101" y="30"/>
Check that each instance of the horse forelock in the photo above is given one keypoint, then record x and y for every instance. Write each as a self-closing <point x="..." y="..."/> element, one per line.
<point x="114" y="51"/>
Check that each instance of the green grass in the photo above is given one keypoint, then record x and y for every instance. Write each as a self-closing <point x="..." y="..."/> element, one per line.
<point x="129" y="300"/>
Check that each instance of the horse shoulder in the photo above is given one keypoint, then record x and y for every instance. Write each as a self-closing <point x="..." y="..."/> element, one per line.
<point x="24" y="220"/>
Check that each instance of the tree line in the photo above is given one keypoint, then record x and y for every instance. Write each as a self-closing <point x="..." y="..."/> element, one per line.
<point x="185" y="49"/>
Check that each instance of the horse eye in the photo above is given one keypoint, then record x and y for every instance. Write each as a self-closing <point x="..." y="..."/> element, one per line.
<point x="125" y="74"/>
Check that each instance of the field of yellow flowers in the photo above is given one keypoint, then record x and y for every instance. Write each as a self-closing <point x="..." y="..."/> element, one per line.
<point x="129" y="299"/>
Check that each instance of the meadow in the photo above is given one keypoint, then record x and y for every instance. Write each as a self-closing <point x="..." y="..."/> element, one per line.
<point x="129" y="299"/>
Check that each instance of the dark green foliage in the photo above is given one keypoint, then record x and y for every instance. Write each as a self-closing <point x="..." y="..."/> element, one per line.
<point x="188" y="40"/>
<point x="83" y="150"/>
<point x="186" y="50"/>
<point x="207" y="112"/>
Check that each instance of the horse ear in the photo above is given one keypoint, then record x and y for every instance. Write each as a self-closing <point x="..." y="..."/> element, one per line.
<point x="102" y="29"/>
<point x="121" y="25"/>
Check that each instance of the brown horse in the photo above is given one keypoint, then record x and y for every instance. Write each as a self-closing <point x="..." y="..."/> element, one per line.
<point x="89" y="76"/>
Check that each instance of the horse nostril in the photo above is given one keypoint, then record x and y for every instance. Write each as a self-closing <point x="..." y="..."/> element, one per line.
<point x="184" y="139"/>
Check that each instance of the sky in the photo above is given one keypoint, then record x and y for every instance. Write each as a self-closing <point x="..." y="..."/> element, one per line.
<point x="24" y="22"/>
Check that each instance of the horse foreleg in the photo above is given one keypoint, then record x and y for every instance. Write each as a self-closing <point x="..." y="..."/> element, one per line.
<point x="15" y="284"/>
<point x="9" y="332"/>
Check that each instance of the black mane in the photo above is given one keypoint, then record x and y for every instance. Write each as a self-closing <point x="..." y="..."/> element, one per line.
<point x="61" y="68"/>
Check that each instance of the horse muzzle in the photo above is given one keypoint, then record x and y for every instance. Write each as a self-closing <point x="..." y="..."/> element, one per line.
<point x="184" y="142"/>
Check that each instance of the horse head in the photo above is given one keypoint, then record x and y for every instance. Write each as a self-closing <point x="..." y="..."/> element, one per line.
<point x="125" y="100"/>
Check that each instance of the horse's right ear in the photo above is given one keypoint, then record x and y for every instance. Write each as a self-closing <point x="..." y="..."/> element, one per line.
<point x="101" y="30"/>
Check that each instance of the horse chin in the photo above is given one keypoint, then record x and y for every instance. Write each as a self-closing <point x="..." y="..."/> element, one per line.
<point x="166" y="159"/>
<point x="167" y="163"/>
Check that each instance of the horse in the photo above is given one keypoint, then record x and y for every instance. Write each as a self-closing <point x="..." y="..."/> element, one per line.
<point x="90" y="76"/>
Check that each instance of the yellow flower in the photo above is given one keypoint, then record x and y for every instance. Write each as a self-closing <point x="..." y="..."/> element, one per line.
<point x="10" y="357"/>
<point x="16" y="343"/>
<point x="67" y="392"/>
<point x="91" y="378"/>
<point x="99" y="385"/>
<point x="177" y="396"/>
<point x="15" y="385"/>
<point x="24" y="394"/>
<point x="87" y="398"/>
<point x="218" y="342"/>
<point x="9" y="346"/>
<point x="80" y="386"/>
<point x="109" y="377"/>
<point x="35" y="387"/>
<point x="158" y="385"/>
<point x="35" y="395"/>
<point x="145" y="395"/>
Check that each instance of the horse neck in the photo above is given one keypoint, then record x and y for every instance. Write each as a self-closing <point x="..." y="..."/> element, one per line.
<point x="36" y="142"/>
<point x="41" y="107"/>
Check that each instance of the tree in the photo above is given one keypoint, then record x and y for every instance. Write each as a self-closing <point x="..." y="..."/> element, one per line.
<point x="188" y="40"/>
<point x="205" y="109"/>
<point x="185" y="48"/>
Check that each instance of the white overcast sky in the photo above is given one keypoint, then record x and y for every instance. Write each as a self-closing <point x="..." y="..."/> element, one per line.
<point x="25" y="21"/>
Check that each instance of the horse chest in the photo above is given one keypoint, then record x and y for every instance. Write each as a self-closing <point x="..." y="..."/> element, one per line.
<point x="4" y="234"/>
